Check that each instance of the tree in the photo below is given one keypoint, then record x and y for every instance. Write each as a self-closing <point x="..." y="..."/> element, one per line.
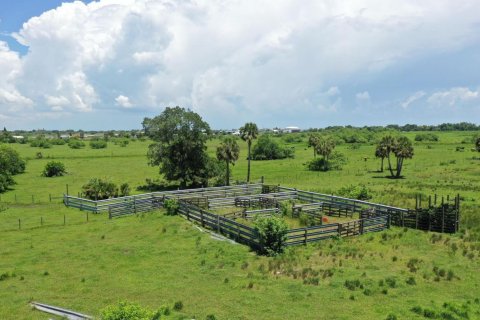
<point x="248" y="133"/>
<point x="268" y="149"/>
<point x="381" y="152"/>
<point x="54" y="169"/>
<point x="10" y="165"/>
<point x="403" y="149"/>
<point x="477" y="144"/>
<point x="313" y="142"/>
<point x="272" y="234"/>
<point x="228" y="151"/>
<point x="180" y="149"/>
<point x="387" y="143"/>
<point x="324" y="147"/>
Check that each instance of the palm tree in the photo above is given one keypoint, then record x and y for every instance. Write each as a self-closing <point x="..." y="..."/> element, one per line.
<point x="313" y="142"/>
<point x="325" y="146"/>
<point x="388" y="143"/>
<point x="228" y="151"/>
<point x="403" y="149"/>
<point x="381" y="152"/>
<point x="248" y="133"/>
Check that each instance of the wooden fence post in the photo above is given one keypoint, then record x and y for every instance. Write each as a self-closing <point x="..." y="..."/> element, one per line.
<point x="64" y="220"/>
<point x="305" y="236"/>
<point x="443" y="219"/>
<point x="201" y="218"/>
<point x="361" y="221"/>
<point x="388" y="221"/>
<point x="87" y="215"/>
<point x="109" y="212"/>
<point x="218" y="223"/>
<point x="19" y="224"/>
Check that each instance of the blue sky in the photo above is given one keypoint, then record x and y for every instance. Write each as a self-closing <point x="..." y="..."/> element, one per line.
<point x="107" y="64"/>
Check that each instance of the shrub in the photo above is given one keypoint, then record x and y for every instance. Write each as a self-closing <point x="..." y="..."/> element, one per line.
<point x="40" y="143"/>
<point x="58" y="142"/>
<point x="272" y="233"/>
<point x="54" y="169"/>
<point x="172" y="206"/>
<point x="426" y="137"/>
<point x="76" y="144"/>
<point x="268" y="149"/>
<point x="335" y="162"/>
<point x="98" y="144"/>
<point x="126" y="311"/>
<point x="98" y="189"/>
<point x="10" y="165"/>
<point x="124" y="190"/>
<point x="178" y="306"/>
<point x="359" y="192"/>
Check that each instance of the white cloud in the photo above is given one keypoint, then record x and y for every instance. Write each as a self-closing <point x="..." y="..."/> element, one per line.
<point x="453" y="97"/>
<point x="414" y="97"/>
<point x="363" y="98"/>
<point x="204" y="55"/>
<point x="123" y="101"/>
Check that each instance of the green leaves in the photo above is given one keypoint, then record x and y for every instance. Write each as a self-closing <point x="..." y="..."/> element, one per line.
<point x="272" y="233"/>
<point x="180" y="137"/>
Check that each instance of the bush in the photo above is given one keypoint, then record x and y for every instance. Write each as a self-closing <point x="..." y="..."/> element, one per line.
<point x="124" y="190"/>
<point x="172" y="207"/>
<point x="359" y="192"/>
<point x="10" y="165"/>
<point x="98" y="189"/>
<point x="126" y="311"/>
<point x="76" y="144"/>
<point x="40" y="143"/>
<point x="54" y="169"/>
<point x="268" y="149"/>
<point x="272" y="233"/>
<point x="98" y="144"/>
<point x="335" y="162"/>
<point x="426" y="137"/>
<point x="58" y="142"/>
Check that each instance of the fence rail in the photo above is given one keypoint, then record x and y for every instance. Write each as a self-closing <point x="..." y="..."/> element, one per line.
<point x="193" y="205"/>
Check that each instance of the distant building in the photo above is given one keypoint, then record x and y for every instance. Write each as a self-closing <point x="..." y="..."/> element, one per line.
<point x="291" y="129"/>
<point x="236" y="133"/>
<point x="18" y="137"/>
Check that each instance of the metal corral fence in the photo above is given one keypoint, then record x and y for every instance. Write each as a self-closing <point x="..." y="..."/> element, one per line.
<point x="194" y="205"/>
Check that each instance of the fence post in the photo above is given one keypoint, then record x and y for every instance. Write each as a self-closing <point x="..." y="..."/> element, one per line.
<point x="218" y="223"/>
<point x="201" y="218"/>
<point x="361" y="226"/>
<point x="64" y="220"/>
<point x="87" y="215"/>
<point x="109" y="212"/>
<point x="19" y="224"/>
<point x="134" y="205"/>
<point x="443" y="219"/>
<point x="388" y="221"/>
<point x="305" y="236"/>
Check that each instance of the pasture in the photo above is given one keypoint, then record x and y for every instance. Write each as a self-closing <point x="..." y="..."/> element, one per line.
<point x="60" y="258"/>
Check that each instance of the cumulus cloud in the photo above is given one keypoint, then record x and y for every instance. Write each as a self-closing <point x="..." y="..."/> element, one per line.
<point x="453" y="97"/>
<point x="363" y="98"/>
<point x="123" y="101"/>
<point x="202" y="54"/>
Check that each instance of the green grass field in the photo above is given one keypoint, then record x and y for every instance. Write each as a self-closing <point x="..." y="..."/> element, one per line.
<point x="156" y="260"/>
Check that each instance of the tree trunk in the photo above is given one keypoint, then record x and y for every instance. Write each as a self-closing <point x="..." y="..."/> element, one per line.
<point x="228" y="173"/>
<point x="248" y="170"/>
<point x="390" y="166"/>
<point x="381" y="165"/>
<point x="399" y="166"/>
<point x="325" y="161"/>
